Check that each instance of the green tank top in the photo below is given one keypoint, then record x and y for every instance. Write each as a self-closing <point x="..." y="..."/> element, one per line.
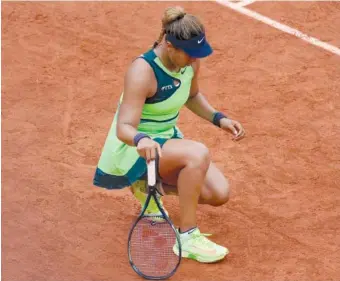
<point x="158" y="120"/>
<point x="160" y="112"/>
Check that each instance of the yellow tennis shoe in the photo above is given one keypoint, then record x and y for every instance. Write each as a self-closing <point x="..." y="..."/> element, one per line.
<point x="139" y="191"/>
<point x="196" y="246"/>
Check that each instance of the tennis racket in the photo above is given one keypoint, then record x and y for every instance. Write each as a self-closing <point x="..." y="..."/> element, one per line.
<point x="151" y="238"/>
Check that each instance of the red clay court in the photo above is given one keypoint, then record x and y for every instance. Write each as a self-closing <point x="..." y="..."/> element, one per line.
<point x="63" y="65"/>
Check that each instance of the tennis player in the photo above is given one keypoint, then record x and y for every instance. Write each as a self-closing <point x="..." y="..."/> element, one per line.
<point x="157" y="85"/>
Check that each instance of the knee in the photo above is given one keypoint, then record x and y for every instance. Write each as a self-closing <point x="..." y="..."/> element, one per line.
<point x="221" y="195"/>
<point x="199" y="156"/>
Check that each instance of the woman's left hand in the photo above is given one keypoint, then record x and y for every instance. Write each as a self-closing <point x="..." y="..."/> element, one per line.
<point x="234" y="127"/>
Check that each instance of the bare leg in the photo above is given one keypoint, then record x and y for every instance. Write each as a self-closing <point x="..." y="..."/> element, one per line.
<point x="185" y="163"/>
<point x="214" y="191"/>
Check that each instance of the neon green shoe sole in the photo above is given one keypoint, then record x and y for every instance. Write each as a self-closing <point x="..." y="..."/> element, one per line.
<point x="199" y="258"/>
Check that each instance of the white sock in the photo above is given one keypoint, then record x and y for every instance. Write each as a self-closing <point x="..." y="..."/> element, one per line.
<point x="188" y="232"/>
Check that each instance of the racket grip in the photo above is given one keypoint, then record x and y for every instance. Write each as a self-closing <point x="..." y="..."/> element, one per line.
<point x="152" y="173"/>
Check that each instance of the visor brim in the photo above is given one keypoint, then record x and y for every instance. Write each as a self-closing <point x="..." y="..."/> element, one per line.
<point x="204" y="51"/>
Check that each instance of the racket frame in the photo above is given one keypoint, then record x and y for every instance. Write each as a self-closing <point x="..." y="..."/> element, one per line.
<point x="154" y="183"/>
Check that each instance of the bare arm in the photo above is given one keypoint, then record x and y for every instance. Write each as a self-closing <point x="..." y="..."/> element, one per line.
<point x="197" y="103"/>
<point x="138" y="85"/>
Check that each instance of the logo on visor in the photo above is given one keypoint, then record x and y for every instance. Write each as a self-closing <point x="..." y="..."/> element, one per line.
<point x="200" y="41"/>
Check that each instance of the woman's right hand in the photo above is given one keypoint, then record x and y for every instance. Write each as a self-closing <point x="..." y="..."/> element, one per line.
<point x="147" y="148"/>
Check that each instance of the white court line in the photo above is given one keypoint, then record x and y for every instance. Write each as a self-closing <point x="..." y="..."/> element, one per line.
<point x="300" y="1"/>
<point x="245" y="3"/>
<point x="235" y="1"/>
<point x="280" y="26"/>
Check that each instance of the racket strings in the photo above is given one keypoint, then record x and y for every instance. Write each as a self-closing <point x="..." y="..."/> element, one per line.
<point x="151" y="247"/>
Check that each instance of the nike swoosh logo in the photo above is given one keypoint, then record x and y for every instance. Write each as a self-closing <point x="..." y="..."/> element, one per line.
<point x="182" y="72"/>
<point x="204" y="251"/>
<point x="200" y="41"/>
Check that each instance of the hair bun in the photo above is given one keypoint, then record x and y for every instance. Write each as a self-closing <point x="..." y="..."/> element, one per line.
<point x="181" y="16"/>
<point x="173" y="14"/>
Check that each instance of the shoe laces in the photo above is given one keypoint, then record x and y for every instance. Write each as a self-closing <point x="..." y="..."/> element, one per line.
<point x="201" y="239"/>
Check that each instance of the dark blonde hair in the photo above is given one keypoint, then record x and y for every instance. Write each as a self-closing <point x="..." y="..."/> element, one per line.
<point x="178" y="23"/>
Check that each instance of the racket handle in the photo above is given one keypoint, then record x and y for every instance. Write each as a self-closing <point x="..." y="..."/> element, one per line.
<point x="152" y="173"/>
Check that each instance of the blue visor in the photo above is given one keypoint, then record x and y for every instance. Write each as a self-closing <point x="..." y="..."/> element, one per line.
<point x="196" y="47"/>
